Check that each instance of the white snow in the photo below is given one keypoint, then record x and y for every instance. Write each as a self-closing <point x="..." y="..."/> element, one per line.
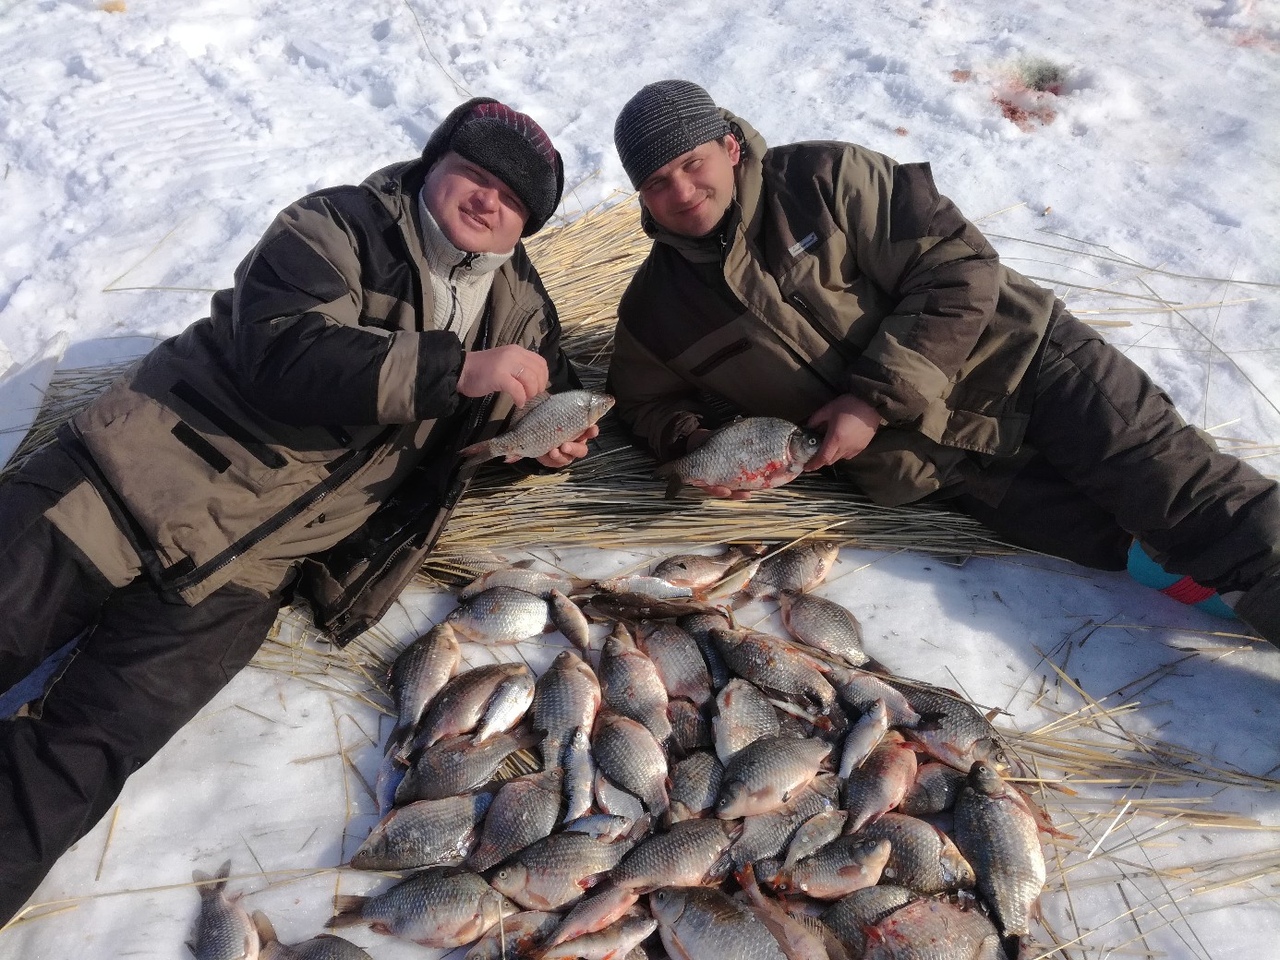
<point x="143" y="151"/>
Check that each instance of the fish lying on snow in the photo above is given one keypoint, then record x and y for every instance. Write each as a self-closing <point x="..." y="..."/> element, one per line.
<point x="676" y="761"/>
<point x="542" y="424"/>
<point x="757" y="453"/>
<point x="224" y="930"/>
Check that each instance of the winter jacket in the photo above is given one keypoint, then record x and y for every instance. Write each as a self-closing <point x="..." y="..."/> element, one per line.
<point x="315" y="377"/>
<point x="838" y="271"/>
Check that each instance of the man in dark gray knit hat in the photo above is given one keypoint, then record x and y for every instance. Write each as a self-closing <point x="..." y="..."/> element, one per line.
<point x="831" y="286"/>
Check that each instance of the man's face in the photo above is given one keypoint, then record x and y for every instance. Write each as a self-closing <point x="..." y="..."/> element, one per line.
<point x="690" y="195"/>
<point x="477" y="211"/>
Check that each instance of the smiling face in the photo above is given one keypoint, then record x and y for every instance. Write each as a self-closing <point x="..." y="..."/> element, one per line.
<point x="477" y="212"/>
<point x="690" y="195"/>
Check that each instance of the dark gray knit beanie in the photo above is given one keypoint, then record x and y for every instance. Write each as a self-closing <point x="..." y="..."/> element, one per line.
<point x="664" y="120"/>
<point x="511" y="146"/>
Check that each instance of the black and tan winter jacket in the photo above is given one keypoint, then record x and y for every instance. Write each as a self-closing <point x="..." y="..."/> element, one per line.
<point x="315" y="379"/>
<point x="838" y="271"/>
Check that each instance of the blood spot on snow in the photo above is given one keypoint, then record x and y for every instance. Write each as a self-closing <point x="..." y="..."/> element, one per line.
<point x="1025" y="117"/>
<point x="961" y="76"/>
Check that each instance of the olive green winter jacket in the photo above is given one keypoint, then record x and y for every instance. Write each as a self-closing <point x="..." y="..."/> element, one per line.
<point x="839" y="271"/>
<point x="316" y="377"/>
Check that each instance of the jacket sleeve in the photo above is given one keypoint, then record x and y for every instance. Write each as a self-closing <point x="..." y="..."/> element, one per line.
<point x="938" y="269"/>
<point x="308" y="349"/>
<point x="659" y="407"/>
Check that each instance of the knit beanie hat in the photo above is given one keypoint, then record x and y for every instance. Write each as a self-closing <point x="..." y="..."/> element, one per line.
<point x="664" y="120"/>
<point x="511" y="146"/>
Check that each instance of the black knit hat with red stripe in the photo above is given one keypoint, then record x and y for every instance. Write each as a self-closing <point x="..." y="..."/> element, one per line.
<point x="511" y="146"/>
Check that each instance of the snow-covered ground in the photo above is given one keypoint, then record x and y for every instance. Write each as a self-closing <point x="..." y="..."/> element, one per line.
<point x="145" y="146"/>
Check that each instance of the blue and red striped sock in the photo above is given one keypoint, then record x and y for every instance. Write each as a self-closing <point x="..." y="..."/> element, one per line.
<point x="1183" y="589"/>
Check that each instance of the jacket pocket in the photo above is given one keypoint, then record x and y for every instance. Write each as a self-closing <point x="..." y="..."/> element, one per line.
<point x="723" y="355"/>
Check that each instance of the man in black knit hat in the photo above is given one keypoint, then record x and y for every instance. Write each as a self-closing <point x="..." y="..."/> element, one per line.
<point x="301" y="440"/>
<point x="831" y="286"/>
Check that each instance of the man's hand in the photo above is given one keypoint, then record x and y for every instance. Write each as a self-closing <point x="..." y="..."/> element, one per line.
<point x="570" y="450"/>
<point x="850" y="424"/>
<point x="510" y="369"/>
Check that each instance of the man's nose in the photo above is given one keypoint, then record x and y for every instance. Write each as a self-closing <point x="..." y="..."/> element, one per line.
<point x="486" y="198"/>
<point x="683" y="187"/>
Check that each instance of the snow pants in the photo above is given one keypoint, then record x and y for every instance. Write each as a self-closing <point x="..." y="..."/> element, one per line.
<point x="142" y="668"/>
<point x="1114" y="461"/>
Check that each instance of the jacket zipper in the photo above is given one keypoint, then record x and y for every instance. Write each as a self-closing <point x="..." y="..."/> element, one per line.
<point x="452" y="495"/>
<point x="454" y="306"/>
<point x="317" y="493"/>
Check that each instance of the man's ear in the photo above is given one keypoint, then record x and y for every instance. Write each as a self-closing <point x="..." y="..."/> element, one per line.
<point x="732" y="148"/>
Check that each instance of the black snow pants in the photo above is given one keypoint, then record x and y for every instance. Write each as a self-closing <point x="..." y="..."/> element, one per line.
<point x="1114" y="461"/>
<point x="142" y="668"/>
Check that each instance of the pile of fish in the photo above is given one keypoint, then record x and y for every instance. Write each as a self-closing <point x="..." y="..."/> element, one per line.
<point x="690" y="788"/>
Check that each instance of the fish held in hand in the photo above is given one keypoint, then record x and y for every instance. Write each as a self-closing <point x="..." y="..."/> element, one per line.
<point x="544" y="423"/>
<point x="757" y="453"/>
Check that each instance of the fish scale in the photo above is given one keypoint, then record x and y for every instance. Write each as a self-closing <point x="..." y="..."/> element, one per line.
<point x="630" y="685"/>
<point x="685" y="855"/>
<point x="420" y="672"/>
<point x="224" y="929"/>
<point x="437" y="907"/>
<point x="824" y="625"/>
<point x="628" y="755"/>
<point x="545" y="422"/>
<point x="1000" y="837"/>
<point x="553" y="872"/>
<point x="756" y="453"/>
<point x="799" y="567"/>
<point x="523" y="810"/>
<point x="500" y="615"/>
<point x="764" y="775"/>
<point x="702" y="923"/>
<point x="565" y="697"/>
<point x="423" y="833"/>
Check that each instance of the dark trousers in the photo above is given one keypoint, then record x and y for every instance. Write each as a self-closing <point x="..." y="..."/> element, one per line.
<point x="1115" y="461"/>
<point x="142" y="668"/>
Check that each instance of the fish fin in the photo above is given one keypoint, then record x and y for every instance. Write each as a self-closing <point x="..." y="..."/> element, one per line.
<point x="204" y="879"/>
<point x="262" y="923"/>
<point x="347" y="909"/>
<point x="477" y="453"/>
<point x="673" y="488"/>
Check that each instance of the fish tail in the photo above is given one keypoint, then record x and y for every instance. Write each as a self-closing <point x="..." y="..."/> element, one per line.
<point x="347" y="910"/>
<point x="477" y="453"/>
<point x="266" y="931"/>
<point x="202" y="878"/>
